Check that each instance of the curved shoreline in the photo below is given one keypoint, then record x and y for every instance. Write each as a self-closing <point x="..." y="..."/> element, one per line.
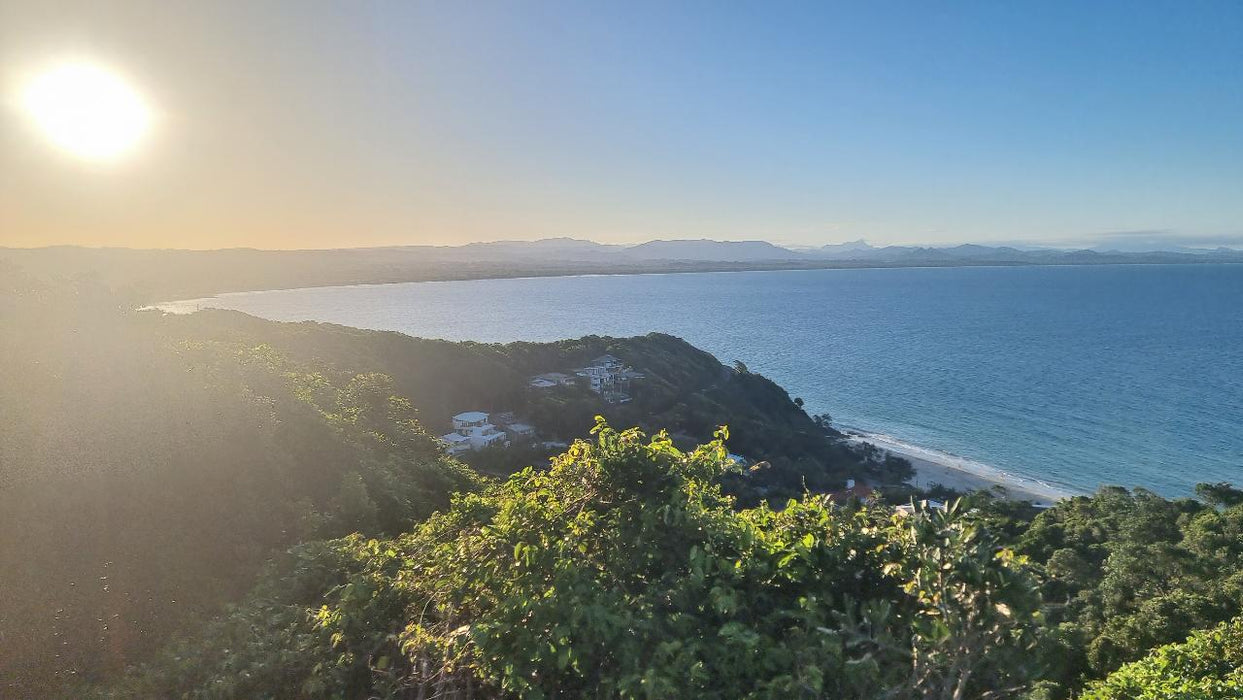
<point x="959" y="473"/>
<point x="931" y="466"/>
<point x="695" y="268"/>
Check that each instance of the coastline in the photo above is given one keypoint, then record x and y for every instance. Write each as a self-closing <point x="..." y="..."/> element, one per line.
<point x="932" y="467"/>
<point x="421" y="275"/>
<point x="1096" y="437"/>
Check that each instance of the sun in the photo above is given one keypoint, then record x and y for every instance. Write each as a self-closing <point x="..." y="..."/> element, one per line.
<point x="87" y="110"/>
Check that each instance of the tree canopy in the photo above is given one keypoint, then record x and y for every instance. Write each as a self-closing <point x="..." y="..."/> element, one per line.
<point x="1125" y="571"/>
<point x="1208" y="666"/>
<point x="623" y="571"/>
<point x="251" y="509"/>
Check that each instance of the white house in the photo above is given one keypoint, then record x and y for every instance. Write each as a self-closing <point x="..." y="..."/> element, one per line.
<point x="598" y="377"/>
<point x="608" y="377"/>
<point x="470" y="419"/>
<point x="472" y="431"/>
<point x="457" y="443"/>
<point x="912" y="508"/>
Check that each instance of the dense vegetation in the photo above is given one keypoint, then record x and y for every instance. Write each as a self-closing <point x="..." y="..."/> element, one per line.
<point x="144" y="481"/>
<point x="684" y="390"/>
<point x="1208" y="666"/>
<point x="250" y="509"/>
<point x="150" y="465"/>
<point x="624" y="572"/>
<point x="1126" y="571"/>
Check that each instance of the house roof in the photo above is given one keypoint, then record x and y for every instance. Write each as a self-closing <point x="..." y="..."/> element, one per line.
<point x="454" y="438"/>
<point x="910" y="508"/>
<point x="470" y="416"/>
<point x="521" y="427"/>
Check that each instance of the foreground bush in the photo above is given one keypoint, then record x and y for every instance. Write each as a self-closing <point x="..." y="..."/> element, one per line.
<point x="1208" y="666"/>
<point x="1124" y="572"/>
<point x="145" y="478"/>
<point x="623" y="572"/>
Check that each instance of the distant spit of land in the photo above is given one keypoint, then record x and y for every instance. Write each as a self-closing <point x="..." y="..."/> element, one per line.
<point x="148" y="276"/>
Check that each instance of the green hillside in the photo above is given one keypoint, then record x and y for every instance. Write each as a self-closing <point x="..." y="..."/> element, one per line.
<point x="150" y="465"/>
<point x="216" y="506"/>
<point x="683" y="390"/>
<point x="145" y="480"/>
<point x="624" y="572"/>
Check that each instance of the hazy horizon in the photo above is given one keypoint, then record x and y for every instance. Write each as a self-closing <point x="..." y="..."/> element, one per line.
<point x="662" y="348"/>
<point x="319" y="125"/>
<point x="1139" y="243"/>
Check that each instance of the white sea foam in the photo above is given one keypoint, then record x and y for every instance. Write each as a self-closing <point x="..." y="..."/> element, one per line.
<point x="962" y="464"/>
<point x="184" y="306"/>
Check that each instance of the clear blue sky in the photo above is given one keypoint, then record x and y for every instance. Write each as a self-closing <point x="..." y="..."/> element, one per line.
<point x="331" y="124"/>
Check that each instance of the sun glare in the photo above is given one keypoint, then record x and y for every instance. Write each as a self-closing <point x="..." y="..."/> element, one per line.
<point x="87" y="111"/>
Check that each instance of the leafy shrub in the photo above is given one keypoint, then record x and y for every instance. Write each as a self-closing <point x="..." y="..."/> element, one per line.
<point x="624" y="572"/>
<point x="1208" y="666"/>
<point x="1126" y="571"/>
<point x="145" y="479"/>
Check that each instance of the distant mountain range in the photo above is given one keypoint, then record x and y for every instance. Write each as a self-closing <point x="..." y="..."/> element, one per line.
<point x="577" y="249"/>
<point x="149" y="276"/>
<point x="703" y="250"/>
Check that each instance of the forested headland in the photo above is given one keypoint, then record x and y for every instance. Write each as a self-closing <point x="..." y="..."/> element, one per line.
<point x="220" y="506"/>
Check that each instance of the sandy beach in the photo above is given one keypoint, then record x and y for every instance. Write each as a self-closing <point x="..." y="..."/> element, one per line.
<point x="962" y="474"/>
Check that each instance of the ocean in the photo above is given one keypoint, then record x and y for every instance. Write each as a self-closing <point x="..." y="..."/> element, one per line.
<point x="1071" y="377"/>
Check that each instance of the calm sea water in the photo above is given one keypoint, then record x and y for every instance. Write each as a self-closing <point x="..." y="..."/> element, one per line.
<point x="1075" y="376"/>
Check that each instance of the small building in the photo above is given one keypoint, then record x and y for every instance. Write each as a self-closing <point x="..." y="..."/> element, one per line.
<point x="470" y="419"/>
<point x="598" y="377"/>
<point x="548" y="380"/>
<point x="607" y="361"/>
<point x="520" y="432"/>
<point x="608" y="377"/>
<point x="472" y="431"/>
<point x="853" y="490"/>
<point x="457" y="443"/>
<point x="911" y="508"/>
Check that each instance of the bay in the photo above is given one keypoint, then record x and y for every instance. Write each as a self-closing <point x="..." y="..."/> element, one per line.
<point x="1071" y="376"/>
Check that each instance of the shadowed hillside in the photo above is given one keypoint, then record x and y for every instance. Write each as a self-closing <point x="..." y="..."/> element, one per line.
<point x="144" y="479"/>
<point x="683" y="389"/>
<point x="151" y="464"/>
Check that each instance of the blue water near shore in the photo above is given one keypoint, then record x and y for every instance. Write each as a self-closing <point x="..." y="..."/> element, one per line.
<point x="1073" y="376"/>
